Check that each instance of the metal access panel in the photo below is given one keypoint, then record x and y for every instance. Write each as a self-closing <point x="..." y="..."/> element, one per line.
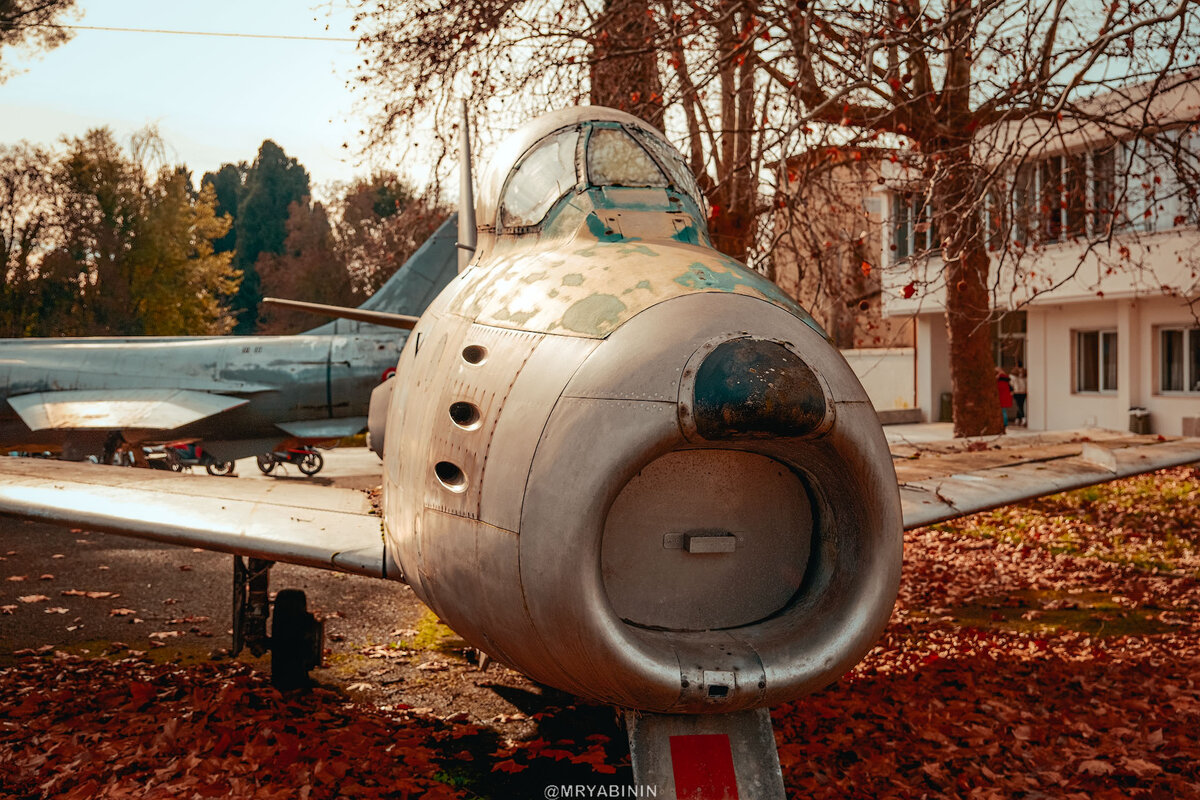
<point x="683" y="552"/>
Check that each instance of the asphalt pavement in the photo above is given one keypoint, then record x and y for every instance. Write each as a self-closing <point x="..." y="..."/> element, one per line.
<point x="82" y="591"/>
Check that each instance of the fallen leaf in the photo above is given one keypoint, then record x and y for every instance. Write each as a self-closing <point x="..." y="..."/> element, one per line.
<point x="1096" y="767"/>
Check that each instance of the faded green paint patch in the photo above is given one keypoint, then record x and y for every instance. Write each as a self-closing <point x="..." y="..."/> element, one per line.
<point x="598" y="228"/>
<point x="595" y="315"/>
<point x="728" y="276"/>
<point x="552" y="293"/>
<point x="688" y="235"/>
<point x="574" y="279"/>
<point x="639" y="250"/>
<point x="516" y="318"/>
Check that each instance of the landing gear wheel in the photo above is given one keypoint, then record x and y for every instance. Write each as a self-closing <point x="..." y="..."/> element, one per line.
<point x="266" y="463"/>
<point x="311" y="463"/>
<point x="219" y="468"/>
<point x="297" y="641"/>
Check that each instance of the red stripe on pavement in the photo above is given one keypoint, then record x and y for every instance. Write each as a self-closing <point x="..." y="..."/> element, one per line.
<point x="703" y="767"/>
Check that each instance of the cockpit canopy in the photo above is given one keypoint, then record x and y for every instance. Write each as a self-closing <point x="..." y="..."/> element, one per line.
<point x="573" y="151"/>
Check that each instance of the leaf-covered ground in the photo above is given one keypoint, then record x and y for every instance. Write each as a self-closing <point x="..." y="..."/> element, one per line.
<point x="1044" y="650"/>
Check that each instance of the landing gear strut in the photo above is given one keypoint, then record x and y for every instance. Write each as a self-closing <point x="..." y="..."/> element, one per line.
<point x="297" y="637"/>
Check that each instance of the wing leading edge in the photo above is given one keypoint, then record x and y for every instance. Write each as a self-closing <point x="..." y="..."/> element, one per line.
<point x="1066" y="466"/>
<point x="313" y="526"/>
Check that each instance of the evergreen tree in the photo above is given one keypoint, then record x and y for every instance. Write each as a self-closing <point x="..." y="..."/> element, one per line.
<point x="273" y="183"/>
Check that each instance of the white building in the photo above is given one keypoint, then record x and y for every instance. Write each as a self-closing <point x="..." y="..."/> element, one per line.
<point x="1096" y="255"/>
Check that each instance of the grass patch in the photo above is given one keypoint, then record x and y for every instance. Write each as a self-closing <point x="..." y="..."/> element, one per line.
<point x="1034" y="611"/>
<point x="433" y="634"/>
<point x="1151" y="522"/>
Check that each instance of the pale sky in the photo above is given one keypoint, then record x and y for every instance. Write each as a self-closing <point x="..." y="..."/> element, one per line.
<point x="214" y="99"/>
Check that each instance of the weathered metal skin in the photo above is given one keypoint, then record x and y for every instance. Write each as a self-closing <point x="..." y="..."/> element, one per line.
<point x="283" y="378"/>
<point x="628" y="467"/>
<point x="239" y="395"/>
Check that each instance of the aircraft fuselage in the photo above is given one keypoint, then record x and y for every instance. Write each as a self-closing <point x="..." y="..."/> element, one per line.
<point x="314" y="384"/>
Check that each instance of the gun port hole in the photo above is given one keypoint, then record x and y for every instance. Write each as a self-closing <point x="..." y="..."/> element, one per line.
<point x="450" y="476"/>
<point x="465" y="415"/>
<point x="474" y="354"/>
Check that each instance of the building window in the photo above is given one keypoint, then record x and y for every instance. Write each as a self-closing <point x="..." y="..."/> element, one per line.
<point x="1180" y="366"/>
<point x="914" y="232"/>
<point x="1104" y="191"/>
<point x="1095" y="361"/>
<point x="1143" y="184"/>
<point x="1063" y="188"/>
<point x="1008" y="338"/>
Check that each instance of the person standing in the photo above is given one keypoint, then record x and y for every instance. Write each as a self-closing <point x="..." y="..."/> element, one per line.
<point x="1019" y="389"/>
<point x="1004" y="387"/>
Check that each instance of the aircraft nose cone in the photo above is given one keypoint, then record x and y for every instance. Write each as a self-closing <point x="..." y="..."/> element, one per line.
<point x="751" y="388"/>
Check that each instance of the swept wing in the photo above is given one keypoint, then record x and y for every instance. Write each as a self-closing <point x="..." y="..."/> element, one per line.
<point x="335" y="529"/>
<point x="313" y="526"/>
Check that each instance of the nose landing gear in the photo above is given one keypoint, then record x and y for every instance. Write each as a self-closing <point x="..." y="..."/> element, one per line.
<point x="297" y="638"/>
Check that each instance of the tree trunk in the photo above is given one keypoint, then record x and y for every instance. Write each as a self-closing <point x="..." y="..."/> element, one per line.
<point x="624" y="68"/>
<point x="957" y="187"/>
<point x="976" y="402"/>
<point x="972" y="363"/>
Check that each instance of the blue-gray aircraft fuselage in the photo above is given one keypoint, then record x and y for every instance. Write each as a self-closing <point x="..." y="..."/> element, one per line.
<point x="238" y="395"/>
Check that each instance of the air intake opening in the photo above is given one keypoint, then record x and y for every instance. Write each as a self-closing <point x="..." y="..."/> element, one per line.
<point x="465" y="415"/>
<point x="450" y="476"/>
<point x="474" y="354"/>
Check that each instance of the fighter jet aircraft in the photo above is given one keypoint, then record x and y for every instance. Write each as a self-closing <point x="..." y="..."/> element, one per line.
<point x="614" y="459"/>
<point x="239" y="395"/>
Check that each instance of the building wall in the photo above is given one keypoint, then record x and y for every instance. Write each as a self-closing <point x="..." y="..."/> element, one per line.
<point x="827" y="246"/>
<point x="1054" y="402"/>
<point x="1135" y="285"/>
<point x="932" y="365"/>
<point x="886" y="373"/>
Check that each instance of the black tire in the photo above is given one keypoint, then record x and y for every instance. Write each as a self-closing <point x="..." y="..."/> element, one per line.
<point x="311" y="463"/>
<point x="297" y="639"/>
<point x="266" y="463"/>
<point x="219" y="467"/>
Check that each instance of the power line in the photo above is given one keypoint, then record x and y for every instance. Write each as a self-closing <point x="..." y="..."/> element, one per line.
<point x="206" y="33"/>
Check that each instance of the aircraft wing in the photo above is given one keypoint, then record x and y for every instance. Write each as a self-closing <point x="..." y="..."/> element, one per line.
<point x="103" y="409"/>
<point x="314" y="526"/>
<point x="937" y="486"/>
<point x="334" y="529"/>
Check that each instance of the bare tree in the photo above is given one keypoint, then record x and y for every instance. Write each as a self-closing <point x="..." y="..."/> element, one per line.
<point x="962" y="89"/>
<point x="32" y="25"/>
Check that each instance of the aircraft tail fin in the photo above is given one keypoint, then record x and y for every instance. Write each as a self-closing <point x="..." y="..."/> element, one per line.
<point x="413" y="286"/>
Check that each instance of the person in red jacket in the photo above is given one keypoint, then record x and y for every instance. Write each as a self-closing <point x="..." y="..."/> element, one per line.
<point x="1004" y="387"/>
